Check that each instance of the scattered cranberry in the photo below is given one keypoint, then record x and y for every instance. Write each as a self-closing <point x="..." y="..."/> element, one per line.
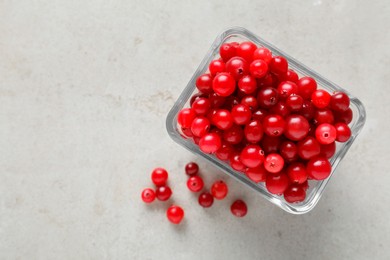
<point x="148" y="195"/>
<point x="206" y="200"/>
<point x="191" y="169"/>
<point x="163" y="193"/>
<point x="195" y="183"/>
<point x="239" y="208"/>
<point x="175" y="214"/>
<point x="159" y="176"/>
<point x="219" y="190"/>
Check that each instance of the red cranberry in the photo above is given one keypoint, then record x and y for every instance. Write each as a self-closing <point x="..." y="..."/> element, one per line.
<point x="287" y="88"/>
<point x="258" y="68"/>
<point x="175" y="214"/>
<point x="318" y="168"/>
<point x="201" y="106"/>
<point x="259" y="114"/>
<point x="292" y="76"/>
<point x="191" y="169"/>
<point x="257" y="174"/>
<point x="294" y="102"/>
<point x="245" y="50"/>
<point x="247" y="84"/>
<point x="196" y="97"/>
<point x="241" y="114"/>
<point x="273" y="163"/>
<point x="339" y="102"/>
<point x="253" y="131"/>
<point x="224" y="84"/>
<point x="289" y="151"/>
<point x="280" y="109"/>
<point x="251" y="102"/>
<point x="252" y="156"/>
<point x="267" y="97"/>
<point x="308" y="148"/>
<point x="325" y="133"/>
<point x="274" y="125"/>
<point x="296" y="128"/>
<point x="225" y="152"/>
<point x="206" y="200"/>
<point x="186" y="132"/>
<point x="306" y="87"/>
<point x="233" y="135"/>
<point x="195" y="183"/>
<point x="278" y="65"/>
<point x="237" y="67"/>
<point x="216" y="66"/>
<point x="271" y="144"/>
<point x="163" y="193"/>
<point x="210" y="143"/>
<point x="308" y="110"/>
<point x="262" y="53"/>
<point x="216" y="100"/>
<point x="219" y="190"/>
<point x="204" y="83"/>
<point x="236" y="164"/>
<point x="320" y="98"/>
<point x="297" y="172"/>
<point x="239" y="208"/>
<point x="344" y="117"/>
<point x="159" y="176"/>
<point x="227" y="51"/>
<point x="200" y="126"/>
<point x="185" y="117"/>
<point x="277" y="183"/>
<point x="328" y="150"/>
<point x="343" y="132"/>
<point x="322" y="116"/>
<point x="148" y="195"/>
<point x="294" y="194"/>
<point x="222" y="119"/>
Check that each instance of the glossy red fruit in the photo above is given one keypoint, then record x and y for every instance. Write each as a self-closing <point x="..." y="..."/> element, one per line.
<point x="200" y="126"/>
<point x="294" y="102"/>
<point x="252" y="156"/>
<point x="278" y="65"/>
<point x="277" y="183"/>
<point x="266" y="81"/>
<point x="175" y="214"/>
<point x="227" y="51"/>
<point x="216" y="100"/>
<point x="251" y="102"/>
<point x="245" y="50"/>
<point x="339" y="102"/>
<point x="296" y="127"/>
<point x="259" y="114"/>
<point x="241" y="114"/>
<point x="344" y="117"/>
<point x="328" y="150"/>
<point x="253" y="131"/>
<point x="239" y="208"/>
<point x="206" y="200"/>
<point x="201" y="106"/>
<point x="320" y="98"/>
<point x="237" y="67"/>
<point x="222" y="119"/>
<point x="297" y="172"/>
<point x="219" y="190"/>
<point x="163" y="193"/>
<point x="258" y="174"/>
<point x="247" y="84"/>
<point x="273" y="125"/>
<point x="195" y="183"/>
<point x="306" y="87"/>
<point x="235" y="162"/>
<point x="233" y="135"/>
<point x="196" y="96"/>
<point x="308" y="110"/>
<point x="210" y="143"/>
<point x="216" y="66"/>
<point x="289" y="151"/>
<point x="225" y="152"/>
<point x="274" y="163"/>
<point x="185" y="117"/>
<point x="204" y="83"/>
<point x="224" y="84"/>
<point x="343" y="132"/>
<point x="148" y="195"/>
<point x="294" y="194"/>
<point x="318" y="168"/>
<point x="287" y="88"/>
<point x="325" y="133"/>
<point x="267" y="97"/>
<point x="159" y="176"/>
<point x="292" y="76"/>
<point x="262" y="53"/>
<point x="271" y="144"/>
<point x="322" y="116"/>
<point x="191" y="169"/>
<point x="308" y="148"/>
<point x="304" y="185"/>
<point x="258" y="68"/>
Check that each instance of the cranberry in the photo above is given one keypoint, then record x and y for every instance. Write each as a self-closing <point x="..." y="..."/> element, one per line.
<point x="204" y="83"/>
<point x="233" y="135"/>
<point x="245" y="50"/>
<point x="185" y="117"/>
<point x="322" y="116"/>
<point x="196" y="97"/>
<point x="304" y="185"/>
<point x="267" y="97"/>
<point x="237" y="67"/>
<point x="344" y="117"/>
<point x="277" y="183"/>
<point x="280" y="109"/>
<point x="236" y="164"/>
<point x="273" y="163"/>
<point x="163" y="193"/>
<point x="266" y="81"/>
<point x="297" y="172"/>
<point x="308" y="110"/>
<point x="252" y="156"/>
<point x="270" y="144"/>
<point x="328" y="150"/>
<point x="292" y="76"/>
<point x="320" y="98"/>
<point x="222" y="119"/>
<point x="186" y="132"/>
<point x="343" y="132"/>
<point x="287" y="88"/>
<point x="241" y="114"/>
<point x="250" y="101"/>
<point x="219" y="190"/>
<point x="227" y="51"/>
<point x="294" y="102"/>
<point x="253" y="131"/>
<point x="195" y="183"/>
<point x="306" y="87"/>
<point x="159" y="176"/>
<point x="239" y="208"/>
<point x="274" y="125"/>
<point x="296" y="128"/>
<point x="148" y="195"/>
<point x="257" y="174"/>
<point x="258" y="68"/>
<point x="294" y="194"/>
<point x="278" y="65"/>
<point x="216" y="100"/>
<point x="206" y="199"/>
<point x="339" y="102"/>
<point x="318" y="168"/>
<point x="259" y="114"/>
<point x="247" y="84"/>
<point x="200" y="126"/>
<point x="191" y="168"/>
<point x="262" y="53"/>
<point x="175" y="214"/>
<point x="325" y="133"/>
<point x="201" y="106"/>
<point x="308" y="148"/>
<point x="210" y="143"/>
<point x="231" y="102"/>
<point x="224" y="84"/>
<point x="216" y="66"/>
<point x="225" y="152"/>
<point x="289" y="151"/>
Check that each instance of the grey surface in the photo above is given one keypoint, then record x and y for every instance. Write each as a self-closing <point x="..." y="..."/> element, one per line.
<point x="84" y="90"/>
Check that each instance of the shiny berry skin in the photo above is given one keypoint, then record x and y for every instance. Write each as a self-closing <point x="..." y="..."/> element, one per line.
<point x="262" y="54"/>
<point x="294" y="194"/>
<point x="280" y="109"/>
<point x="258" y="174"/>
<point x="237" y="67"/>
<point x="247" y="84"/>
<point x="343" y="132"/>
<point x="250" y="101"/>
<point x="277" y="183"/>
<point x="200" y="126"/>
<point x="297" y="172"/>
<point x="245" y="50"/>
<point x="266" y="81"/>
<point x="308" y="148"/>
<point x="252" y="156"/>
<point x="308" y="110"/>
<point x="241" y="114"/>
<point x="236" y="164"/>
<point x="273" y="163"/>
<point x="258" y="68"/>
<point x="292" y="76"/>
<point x="216" y="66"/>
<point x="186" y="132"/>
<point x="320" y="98"/>
<point x="163" y="193"/>
<point x="196" y="97"/>
<point x="191" y="169"/>
<point x="339" y="102"/>
<point x="222" y="119"/>
<point x="296" y="127"/>
<point x="267" y="97"/>
<point x="239" y="208"/>
<point x="328" y="150"/>
<point x="304" y="185"/>
<point x="233" y="135"/>
<point x="227" y="51"/>
<point x="201" y="106"/>
<point x="289" y="151"/>
<point x="318" y="168"/>
<point x="344" y="117"/>
<point x="322" y="116"/>
<point x="225" y="152"/>
<point x="278" y="65"/>
<point x="148" y="195"/>
<point x="175" y="214"/>
<point x="287" y="88"/>
<point x="195" y="183"/>
<point x="325" y="133"/>
<point x="224" y="84"/>
<point x="259" y="114"/>
<point x="274" y="125"/>
<point x="185" y="117"/>
<point x="306" y="87"/>
<point x="206" y="200"/>
<point x="231" y="101"/>
<point x="271" y="144"/>
<point x="216" y="100"/>
<point x="253" y="131"/>
<point x="210" y="143"/>
<point x="204" y="83"/>
<point x="219" y="190"/>
<point x="294" y="102"/>
<point x="159" y="176"/>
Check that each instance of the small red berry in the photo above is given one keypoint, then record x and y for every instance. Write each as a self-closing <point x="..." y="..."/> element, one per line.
<point x="258" y="68"/>
<point x="251" y="102"/>
<point x="227" y="51"/>
<point x="262" y="53"/>
<point x="239" y="208"/>
<point x="216" y="66"/>
<point x="308" y="148"/>
<point x="185" y="117"/>
<point x="233" y="135"/>
<point x="296" y="127"/>
<point x="253" y="131"/>
<point x="318" y="168"/>
<point x="159" y="176"/>
<point x="277" y="183"/>
<point x="259" y="114"/>
<point x="247" y="84"/>
<point x="225" y="152"/>
<point x="279" y="65"/>
<point x="204" y="83"/>
<point x="344" y="117"/>
<point x="219" y="190"/>
<point x="241" y="114"/>
<point x="274" y="125"/>
<point x="292" y="76"/>
<point x="273" y="163"/>
<point x="297" y="172"/>
<point x="224" y="84"/>
<point x="237" y="67"/>
<point x="270" y="144"/>
<point x="191" y="168"/>
<point x="267" y="97"/>
<point x="307" y="110"/>
<point x="294" y="102"/>
<point x="252" y="156"/>
<point x="339" y="102"/>
<point x="210" y="143"/>
<point x="280" y="109"/>
<point x="175" y="214"/>
<point x="343" y="132"/>
<point x="148" y="195"/>
<point x="222" y="119"/>
<point x="320" y="98"/>
<point x="235" y="163"/>
<point x="200" y="126"/>
<point x="294" y="194"/>
<point x="245" y="50"/>
<point x="287" y="88"/>
<point x="328" y="150"/>
<point x="258" y="174"/>
<point x="306" y="87"/>
<point x="289" y="151"/>
<point x="201" y="106"/>
<point x="216" y="100"/>
<point x="322" y="116"/>
<point x="195" y="183"/>
<point x="205" y="199"/>
<point x="325" y="133"/>
<point x="163" y="193"/>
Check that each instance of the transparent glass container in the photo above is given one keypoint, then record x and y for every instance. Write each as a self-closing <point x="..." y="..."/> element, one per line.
<point x="316" y="188"/>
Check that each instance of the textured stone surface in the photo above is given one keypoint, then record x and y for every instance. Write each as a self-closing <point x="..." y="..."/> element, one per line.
<point x="84" y="90"/>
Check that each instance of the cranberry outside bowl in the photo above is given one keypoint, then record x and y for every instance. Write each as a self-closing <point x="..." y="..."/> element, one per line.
<point x="316" y="188"/>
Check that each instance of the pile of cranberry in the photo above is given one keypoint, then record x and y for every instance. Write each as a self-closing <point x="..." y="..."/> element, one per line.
<point x="258" y="115"/>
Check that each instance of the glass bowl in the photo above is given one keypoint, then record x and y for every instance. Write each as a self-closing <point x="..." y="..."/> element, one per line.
<point x="316" y="188"/>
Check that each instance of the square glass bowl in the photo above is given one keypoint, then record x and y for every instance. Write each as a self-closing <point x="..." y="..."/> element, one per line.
<point x="316" y="188"/>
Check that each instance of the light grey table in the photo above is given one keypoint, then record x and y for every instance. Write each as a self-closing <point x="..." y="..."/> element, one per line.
<point x="84" y="90"/>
